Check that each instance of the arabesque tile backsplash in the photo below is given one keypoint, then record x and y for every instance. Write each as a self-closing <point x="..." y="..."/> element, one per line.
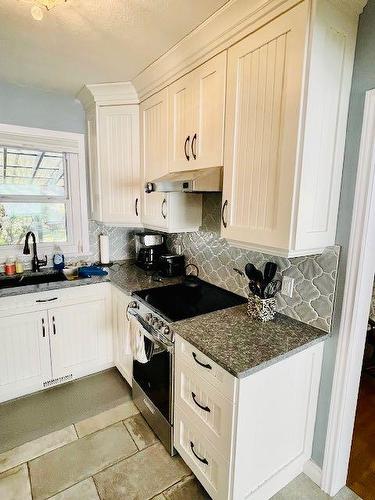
<point x="315" y="275"/>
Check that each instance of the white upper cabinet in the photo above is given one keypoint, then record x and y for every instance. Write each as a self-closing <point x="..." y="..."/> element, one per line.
<point x="284" y="139"/>
<point x="196" y="116"/>
<point x="209" y="108"/>
<point x="114" y="156"/>
<point x="169" y="212"/>
<point x="265" y="75"/>
<point x="119" y="164"/>
<point x="287" y="68"/>
<point x="181" y="123"/>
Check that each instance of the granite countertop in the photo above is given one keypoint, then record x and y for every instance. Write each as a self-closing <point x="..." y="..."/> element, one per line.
<point x="243" y="346"/>
<point x="229" y="337"/>
<point x="125" y="275"/>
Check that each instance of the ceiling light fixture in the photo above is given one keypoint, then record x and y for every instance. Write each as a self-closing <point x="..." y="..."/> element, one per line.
<point x="40" y="6"/>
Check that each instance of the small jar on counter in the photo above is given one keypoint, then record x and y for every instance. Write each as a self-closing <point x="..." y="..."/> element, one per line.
<point x="10" y="266"/>
<point x="20" y="267"/>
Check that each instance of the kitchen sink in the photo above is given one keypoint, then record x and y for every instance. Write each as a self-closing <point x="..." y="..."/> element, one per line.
<point x="32" y="279"/>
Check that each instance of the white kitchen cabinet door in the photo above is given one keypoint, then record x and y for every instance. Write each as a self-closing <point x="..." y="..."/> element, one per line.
<point x="264" y="88"/>
<point x="196" y="117"/>
<point x="81" y="338"/>
<point x="119" y="164"/>
<point x="24" y="354"/>
<point x="181" y="116"/>
<point x="122" y="343"/>
<point x="154" y="156"/>
<point x="207" y="143"/>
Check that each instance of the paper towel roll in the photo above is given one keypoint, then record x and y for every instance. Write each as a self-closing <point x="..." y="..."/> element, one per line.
<point x="104" y="248"/>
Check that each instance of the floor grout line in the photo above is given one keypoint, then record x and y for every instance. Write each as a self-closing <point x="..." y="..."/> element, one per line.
<point x="127" y="430"/>
<point x="29" y="476"/>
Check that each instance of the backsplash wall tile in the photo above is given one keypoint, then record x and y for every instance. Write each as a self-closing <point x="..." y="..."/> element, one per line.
<point x="121" y="241"/>
<point x="315" y="276"/>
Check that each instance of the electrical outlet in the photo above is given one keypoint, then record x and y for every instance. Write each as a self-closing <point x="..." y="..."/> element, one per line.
<point x="287" y="286"/>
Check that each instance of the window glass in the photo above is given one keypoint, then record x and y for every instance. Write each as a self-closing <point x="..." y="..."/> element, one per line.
<point x="46" y="220"/>
<point x="31" y="173"/>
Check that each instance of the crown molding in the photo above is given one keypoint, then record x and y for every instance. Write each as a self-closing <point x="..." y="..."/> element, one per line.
<point x="105" y="94"/>
<point x="235" y="20"/>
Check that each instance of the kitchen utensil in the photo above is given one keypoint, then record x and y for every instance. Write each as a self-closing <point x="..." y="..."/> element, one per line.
<point x="272" y="289"/>
<point x="269" y="272"/>
<point x="255" y="276"/>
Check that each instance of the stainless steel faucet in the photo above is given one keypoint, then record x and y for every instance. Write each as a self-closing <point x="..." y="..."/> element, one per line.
<point x="36" y="263"/>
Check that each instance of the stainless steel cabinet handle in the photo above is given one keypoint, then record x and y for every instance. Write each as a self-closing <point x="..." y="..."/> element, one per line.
<point x="222" y="213"/>
<point x="53" y="325"/>
<point x="204" y="408"/>
<point x="46" y="300"/>
<point x="43" y="328"/>
<point x="209" y="367"/>
<point x="193" y="144"/>
<point x="187" y="142"/>
<point x="164" y="206"/>
<point x="136" y="207"/>
<point x="203" y="460"/>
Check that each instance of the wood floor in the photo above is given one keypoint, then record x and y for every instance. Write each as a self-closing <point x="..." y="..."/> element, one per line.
<point x="361" y="477"/>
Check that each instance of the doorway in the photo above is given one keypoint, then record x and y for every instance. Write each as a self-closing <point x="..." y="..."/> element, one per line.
<point x="355" y="316"/>
<point x="361" y="473"/>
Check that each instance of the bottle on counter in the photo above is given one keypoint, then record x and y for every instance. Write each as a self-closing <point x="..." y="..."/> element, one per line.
<point x="20" y="266"/>
<point x="58" y="259"/>
<point x="10" y="266"/>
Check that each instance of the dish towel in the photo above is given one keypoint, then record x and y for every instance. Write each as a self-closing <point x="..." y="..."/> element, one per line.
<point x="138" y="341"/>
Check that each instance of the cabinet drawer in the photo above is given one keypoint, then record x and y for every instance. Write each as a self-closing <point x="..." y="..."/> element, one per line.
<point x="210" y="467"/>
<point x="29" y="302"/>
<point x="205" y="406"/>
<point x="205" y="367"/>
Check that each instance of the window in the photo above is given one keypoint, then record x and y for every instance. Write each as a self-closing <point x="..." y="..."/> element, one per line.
<point x="40" y="190"/>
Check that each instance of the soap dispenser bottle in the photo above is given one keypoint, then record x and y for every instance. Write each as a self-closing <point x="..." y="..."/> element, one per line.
<point x="58" y="259"/>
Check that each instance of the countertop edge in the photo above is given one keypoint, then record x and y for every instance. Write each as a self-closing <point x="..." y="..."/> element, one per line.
<point x="261" y="366"/>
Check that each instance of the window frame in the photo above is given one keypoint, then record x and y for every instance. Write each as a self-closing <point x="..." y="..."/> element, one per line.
<point x="73" y="145"/>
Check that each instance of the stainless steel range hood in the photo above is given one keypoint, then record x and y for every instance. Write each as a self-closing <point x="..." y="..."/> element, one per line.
<point x="191" y="181"/>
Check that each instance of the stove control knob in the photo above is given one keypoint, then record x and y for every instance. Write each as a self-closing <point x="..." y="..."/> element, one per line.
<point x="159" y="325"/>
<point x="165" y="330"/>
<point x="153" y="321"/>
<point x="148" y="317"/>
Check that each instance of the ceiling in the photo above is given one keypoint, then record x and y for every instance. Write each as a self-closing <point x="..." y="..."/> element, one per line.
<point x="92" y="41"/>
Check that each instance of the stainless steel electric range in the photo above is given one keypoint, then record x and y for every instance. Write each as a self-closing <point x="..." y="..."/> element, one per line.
<point x="155" y="310"/>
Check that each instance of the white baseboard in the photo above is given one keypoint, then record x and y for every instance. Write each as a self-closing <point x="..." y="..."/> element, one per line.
<point x="313" y="471"/>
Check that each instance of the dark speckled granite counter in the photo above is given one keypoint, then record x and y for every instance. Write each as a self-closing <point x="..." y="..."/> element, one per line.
<point x="125" y="275"/>
<point x="229" y="337"/>
<point x="243" y="346"/>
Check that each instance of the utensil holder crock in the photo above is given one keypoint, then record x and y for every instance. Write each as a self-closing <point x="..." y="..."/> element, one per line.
<point x="261" y="309"/>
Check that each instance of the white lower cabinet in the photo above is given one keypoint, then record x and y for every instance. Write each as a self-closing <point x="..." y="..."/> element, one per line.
<point x="122" y="348"/>
<point x="80" y="338"/>
<point x="250" y="441"/>
<point x="52" y="337"/>
<point x="24" y="354"/>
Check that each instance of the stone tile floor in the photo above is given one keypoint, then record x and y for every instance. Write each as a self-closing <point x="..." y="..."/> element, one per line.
<point x="111" y="456"/>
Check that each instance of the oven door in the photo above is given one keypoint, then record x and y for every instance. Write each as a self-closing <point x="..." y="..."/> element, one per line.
<point x="155" y="377"/>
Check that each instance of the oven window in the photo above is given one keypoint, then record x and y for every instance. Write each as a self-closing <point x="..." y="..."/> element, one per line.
<point x="154" y="378"/>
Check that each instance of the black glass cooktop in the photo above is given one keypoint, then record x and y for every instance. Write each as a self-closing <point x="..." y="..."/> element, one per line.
<point x="190" y="298"/>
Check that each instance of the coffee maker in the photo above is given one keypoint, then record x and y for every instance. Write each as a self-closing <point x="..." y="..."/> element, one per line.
<point x="149" y="247"/>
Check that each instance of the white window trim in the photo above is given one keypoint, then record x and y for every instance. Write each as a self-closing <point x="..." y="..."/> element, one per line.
<point x="60" y="142"/>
